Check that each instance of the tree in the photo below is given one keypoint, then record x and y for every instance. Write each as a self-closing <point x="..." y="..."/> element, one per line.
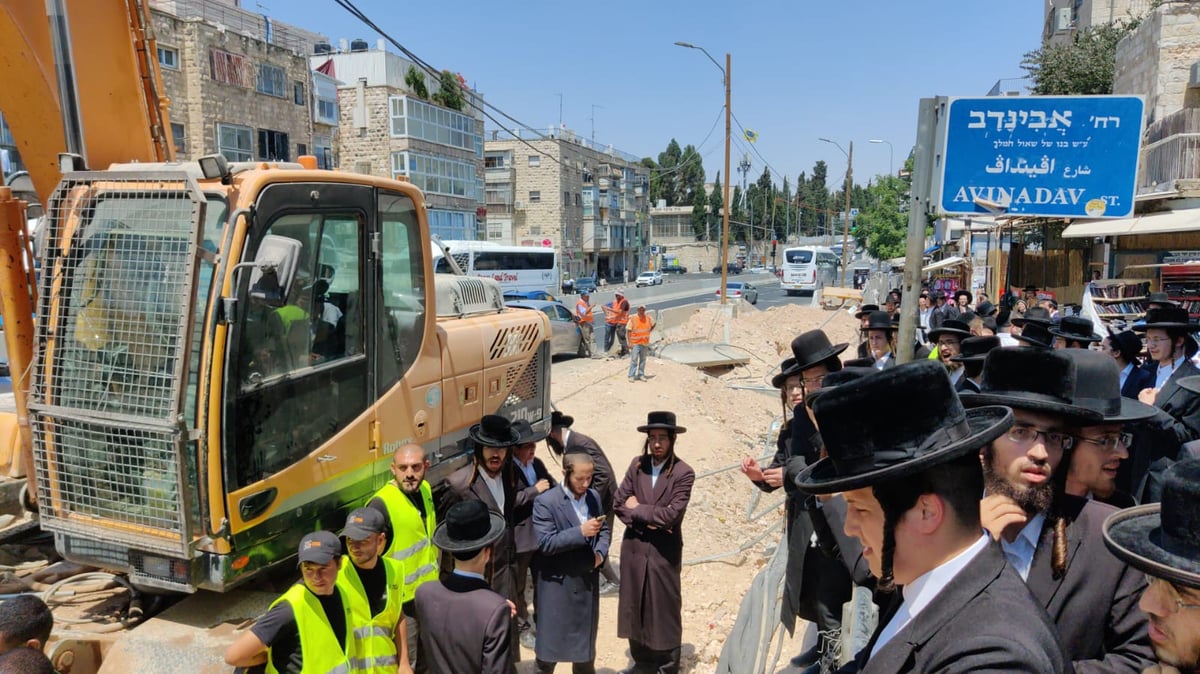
<point x="415" y="80"/>
<point x="663" y="175"/>
<point x="449" y="93"/>
<point x="699" y="213"/>
<point x="716" y="201"/>
<point x="1084" y="65"/>
<point x="882" y="222"/>
<point x="689" y="176"/>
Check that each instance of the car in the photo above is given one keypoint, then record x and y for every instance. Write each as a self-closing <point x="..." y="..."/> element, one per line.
<point x="528" y="295"/>
<point x="741" y="289"/>
<point x="675" y="269"/>
<point x="565" y="338"/>
<point x="585" y="284"/>
<point x="758" y="270"/>
<point x="731" y="266"/>
<point x="649" y="278"/>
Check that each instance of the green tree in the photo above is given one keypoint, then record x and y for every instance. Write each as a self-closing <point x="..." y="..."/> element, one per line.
<point x="689" y="176"/>
<point x="699" y="213"/>
<point x="415" y="80"/>
<point x="716" y="200"/>
<point x="449" y="93"/>
<point x="1084" y="65"/>
<point x="813" y="199"/>
<point x="882" y="222"/>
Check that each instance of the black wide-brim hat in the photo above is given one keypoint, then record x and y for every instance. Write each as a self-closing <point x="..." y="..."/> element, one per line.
<point x="1075" y="328"/>
<point x="468" y="526"/>
<point x="813" y="348"/>
<point x="879" y="320"/>
<point x="560" y="420"/>
<point x="1032" y="315"/>
<point x="1036" y="334"/>
<point x="1037" y="380"/>
<point x="493" y="430"/>
<point x="527" y="433"/>
<point x="975" y="349"/>
<point x="1163" y="539"/>
<point x="1098" y="388"/>
<point x="1161" y="298"/>
<point x="866" y="309"/>
<point x="1167" y="318"/>
<point x="787" y="368"/>
<point x="952" y="326"/>
<point x="892" y="442"/>
<point x="661" y="419"/>
<point x="960" y="292"/>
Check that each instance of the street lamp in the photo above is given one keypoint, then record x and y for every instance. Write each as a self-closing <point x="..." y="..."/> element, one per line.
<point x="725" y="74"/>
<point x="846" y="215"/>
<point x="891" y="170"/>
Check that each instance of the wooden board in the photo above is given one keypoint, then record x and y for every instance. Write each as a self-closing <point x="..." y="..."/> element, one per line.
<point x="834" y="297"/>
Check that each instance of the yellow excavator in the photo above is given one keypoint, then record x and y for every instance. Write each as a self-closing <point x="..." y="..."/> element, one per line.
<point x="210" y="359"/>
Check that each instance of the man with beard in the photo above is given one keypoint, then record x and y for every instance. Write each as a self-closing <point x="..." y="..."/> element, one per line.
<point x="406" y="503"/>
<point x="948" y="339"/>
<point x="912" y="484"/>
<point x="1051" y="538"/>
<point x="530" y="473"/>
<point x="1163" y="540"/>
<point x="651" y="502"/>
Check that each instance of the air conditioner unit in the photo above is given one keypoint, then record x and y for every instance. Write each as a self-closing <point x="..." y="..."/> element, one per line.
<point x="1194" y="80"/>
<point x="1062" y="19"/>
<point x="518" y="205"/>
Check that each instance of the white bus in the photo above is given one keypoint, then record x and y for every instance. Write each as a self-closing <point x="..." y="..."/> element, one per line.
<point x="517" y="268"/>
<point x="808" y="268"/>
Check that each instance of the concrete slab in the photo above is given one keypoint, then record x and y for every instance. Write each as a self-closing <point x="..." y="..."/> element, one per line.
<point x="705" y="354"/>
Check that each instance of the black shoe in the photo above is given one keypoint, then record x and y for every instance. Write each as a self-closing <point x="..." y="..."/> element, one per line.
<point x="808" y="657"/>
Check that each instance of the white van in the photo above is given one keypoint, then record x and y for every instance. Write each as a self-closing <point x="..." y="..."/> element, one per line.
<point x="809" y="268"/>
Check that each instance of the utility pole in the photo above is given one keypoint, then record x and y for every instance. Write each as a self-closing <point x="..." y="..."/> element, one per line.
<point x="846" y="222"/>
<point x="919" y="205"/>
<point x="594" y="106"/>
<point x="744" y="167"/>
<point x="560" y="99"/>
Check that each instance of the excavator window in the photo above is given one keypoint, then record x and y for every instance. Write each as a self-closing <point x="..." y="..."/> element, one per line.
<point x="403" y="296"/>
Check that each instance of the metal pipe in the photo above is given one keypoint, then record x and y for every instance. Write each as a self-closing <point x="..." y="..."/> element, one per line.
<point x="64" y="63"/>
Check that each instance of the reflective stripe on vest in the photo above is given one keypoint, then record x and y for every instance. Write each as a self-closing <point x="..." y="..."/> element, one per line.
<point x="372" y="636"/>
<point x="405" y="553"/>
<point x="639" y="330"/>
<point x="584" y="311"/>
<point x="319" y="648"/>
<point x="411" y="544"/>
<point x="413" y="577"/>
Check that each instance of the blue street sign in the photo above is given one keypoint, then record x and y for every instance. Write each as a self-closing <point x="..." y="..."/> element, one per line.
<point x="1053" y="156"/>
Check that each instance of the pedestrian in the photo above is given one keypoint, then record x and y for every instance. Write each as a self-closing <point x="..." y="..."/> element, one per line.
<point x="651" y="502"/>
<point x="467" y="625"/>
<point x="639" y="329"/>
<point x="1035" y="335"/>
<point x="380" y="643"/>
<point x="1052" y="538"/>
<point x="912" y="483"/>
<point x="948" y="340"/>
<point x="973" y="352"/>
<point x="306" y="629"/>
<point x="406" y="503"/>
<point x="941" y="311"/>
<point x="1074" y="332"/>
<point x="530" y="473"/>
<point x="583" y="315"/>
<point x="1125" y="347"/>
<point x="881" y="339"/>
<point x="25" y="622"/>
<point x="573" y="543"/>
<point x="1163" y="540"/>
<point x="616" y="316"/>
<point x="863" y="312"/>
<point x="564" y="440"/>
<point x="924" y="318"/>
<point x="962" y="300"/>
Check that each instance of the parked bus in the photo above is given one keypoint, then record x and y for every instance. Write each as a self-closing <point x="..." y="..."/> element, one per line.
<point x="808" y="268"/>
<point x="517" y="268"/>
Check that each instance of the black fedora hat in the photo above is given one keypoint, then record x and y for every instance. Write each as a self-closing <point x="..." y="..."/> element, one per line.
<point x="1098" y="388"/>
<point x="1161" y="299"/>
<point x="865" y="309"/>
<point x="786" y="369"/>
<point x="468" y="526"/>
<point x="1038" y="380"/>
<point x="661" y="419"/>
<point x="985" y="309"/>
<point x="1033" y="315"/>
<point x="975" y="349"/>
<point x="858" y="362"/>
<point x="879" y="320"/>
<point x="1076" y="328"/>
<point x="527" y="433"/>
<point x="952" y="326"/>
<point x="1167" y="318"/>
<point x="813" y="348"/>
<point x="493" y="430"/>
<point x="560" y="420"/>
<point x="1036" y="334"/>
<point x="1163" y="539"/>
<point x="892" y="442"/>
<point x="1030" y="289"/>
<point x="843" y="376"/>
<point x="960" y="292"/>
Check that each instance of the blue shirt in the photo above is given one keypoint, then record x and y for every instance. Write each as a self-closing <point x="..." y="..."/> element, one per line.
<point x="1020" y="552"/>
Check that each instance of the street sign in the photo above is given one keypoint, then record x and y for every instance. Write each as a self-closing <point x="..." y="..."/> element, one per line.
<point x="654" y="250"/>
<point x="1053" y="156"/>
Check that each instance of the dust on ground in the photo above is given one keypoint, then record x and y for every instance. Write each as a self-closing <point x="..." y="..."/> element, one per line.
<point x="728" y="416"/>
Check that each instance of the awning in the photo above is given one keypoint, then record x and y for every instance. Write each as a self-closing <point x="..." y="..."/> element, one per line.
<point x="932" y="249"/>
<point x="1182" y="220"/>
<point x="943" y="264"/>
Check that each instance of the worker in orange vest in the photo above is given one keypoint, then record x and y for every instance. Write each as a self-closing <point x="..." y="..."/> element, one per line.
<point x="616" y="316"/>
<point x="583" y="316"/>
<point x="640" y="325"/>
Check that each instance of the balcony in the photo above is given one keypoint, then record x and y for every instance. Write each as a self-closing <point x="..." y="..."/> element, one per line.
<point x="1171" y="152"/>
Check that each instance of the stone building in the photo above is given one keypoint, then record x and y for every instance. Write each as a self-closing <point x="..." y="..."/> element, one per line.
<point x="1065" y="18"/>
<point x="557" y="189"/>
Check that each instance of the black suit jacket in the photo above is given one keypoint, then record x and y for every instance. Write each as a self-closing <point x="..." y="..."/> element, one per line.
<point x="1138" y="379"/>
<point x="1157" y="442"/>
<point x="984" y="620"/>
<point x="465" y="627"/>
<point x="523" y="534"/>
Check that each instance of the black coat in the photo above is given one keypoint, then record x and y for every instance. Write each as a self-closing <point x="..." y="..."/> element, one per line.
<point x="1157" y="440"/>
<point x="984" y="620"/>
<point x="523" y="515"/>
<point x="604" y="479"/>
<point x="1094" y="605"/>
<point x="1138" y="379"/>
<point x="465" y="627"/>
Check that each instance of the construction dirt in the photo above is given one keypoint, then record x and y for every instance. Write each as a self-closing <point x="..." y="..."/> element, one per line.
<point x="728" y="416"/>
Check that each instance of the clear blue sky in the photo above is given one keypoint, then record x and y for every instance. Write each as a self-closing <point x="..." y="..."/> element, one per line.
<point x="848" y="70"/>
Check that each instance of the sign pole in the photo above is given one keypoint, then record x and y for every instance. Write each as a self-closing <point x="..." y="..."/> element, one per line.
<point x="919" y="206"/>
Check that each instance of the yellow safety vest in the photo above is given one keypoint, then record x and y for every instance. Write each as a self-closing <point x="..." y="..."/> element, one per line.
<point x="373" y="636"/>
<point x="318" y="646"/>
<point x="412" y="539"/>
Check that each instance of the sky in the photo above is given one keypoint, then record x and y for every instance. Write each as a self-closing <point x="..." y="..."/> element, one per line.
<point x="847" y="70"/>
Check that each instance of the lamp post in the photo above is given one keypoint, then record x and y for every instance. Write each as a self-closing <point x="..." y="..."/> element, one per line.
<point x="846" y="215"/>
<point x="891" y="167"/>
<point x="725" y="74"/>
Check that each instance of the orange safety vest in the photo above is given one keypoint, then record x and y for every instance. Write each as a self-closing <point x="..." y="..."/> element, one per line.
<point x="639" y="329"/>
<point x="584" y="311"/>
<point x="620" y="312"/>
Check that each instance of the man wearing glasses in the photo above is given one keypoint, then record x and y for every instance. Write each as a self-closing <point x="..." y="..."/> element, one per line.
<point x="1163" y="540"/>
<point x="1051" y="538"/>
<point x="948" y="340"/>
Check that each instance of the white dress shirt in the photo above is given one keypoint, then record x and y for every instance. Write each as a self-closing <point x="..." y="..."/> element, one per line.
<point x="494" y="486"/>
<point x="655" y="469"/>
<point x="1020" y="552"/>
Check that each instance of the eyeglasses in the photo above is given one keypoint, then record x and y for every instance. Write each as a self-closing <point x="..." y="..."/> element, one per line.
<point x="1027" y="435"/>
<point x="1109" y="442"/>
<point x="947" y="343"/>
<point x="1172" y="593"/>
<point x="1158" y="340"/>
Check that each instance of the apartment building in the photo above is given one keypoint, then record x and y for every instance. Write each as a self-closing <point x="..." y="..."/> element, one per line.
<point x="559" y="190"/>
<point x="1065" y="18"/>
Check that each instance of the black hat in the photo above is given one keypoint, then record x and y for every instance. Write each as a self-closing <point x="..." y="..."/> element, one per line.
<point x="962" y="291"/>
<point x="493" y="430"/>
<point x="1030" y="289"/>
<point x="813" y="348"/>
<point x="1075" y="328"/>
<point x="892" y="442"/>
<point x="1127" y="343"/>
<point x="1036" y="334"/>
<point x="1098" y="388"/>
<point x="526" y="432"/>
<point x="363" y="523"/>
<point x="786" y="369"/>
<point x="1033" y="315"/>
<point x="879" y="320"/>
<point x="1003" y="318"/>
<point x="1163" y="539"/>
<point x="560" y="420"/>
<point x="1038" y="380"/>
<point x="938" y="295"/>
<point x="319" y="547"/>
<point x="661" y="419"/>
<point x="975" y="349"/>
<point x="1168" y="318"/>
<point x="1190" y="383"/>
<point x="866" y="309"/>
<point x="990" y="324"/>
<point x="842" y="376"/>
<point x="857" y="363"/>
<point x="952" y="326"/>
<point x="985" y="309"/>
<point x="468" y="526"/>
<point x="1161" y="298"/>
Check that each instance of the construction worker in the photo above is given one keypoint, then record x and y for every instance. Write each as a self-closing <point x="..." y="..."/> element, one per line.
<point x="406" y="503"/>
<point x="374" y="582"/>
<point x="583" y="316"/>
<point x="639" y="328"/>
<point x="616" y="317"/>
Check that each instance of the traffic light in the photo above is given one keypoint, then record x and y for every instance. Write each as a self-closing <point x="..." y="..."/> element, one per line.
<point x="774" y="242"/>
